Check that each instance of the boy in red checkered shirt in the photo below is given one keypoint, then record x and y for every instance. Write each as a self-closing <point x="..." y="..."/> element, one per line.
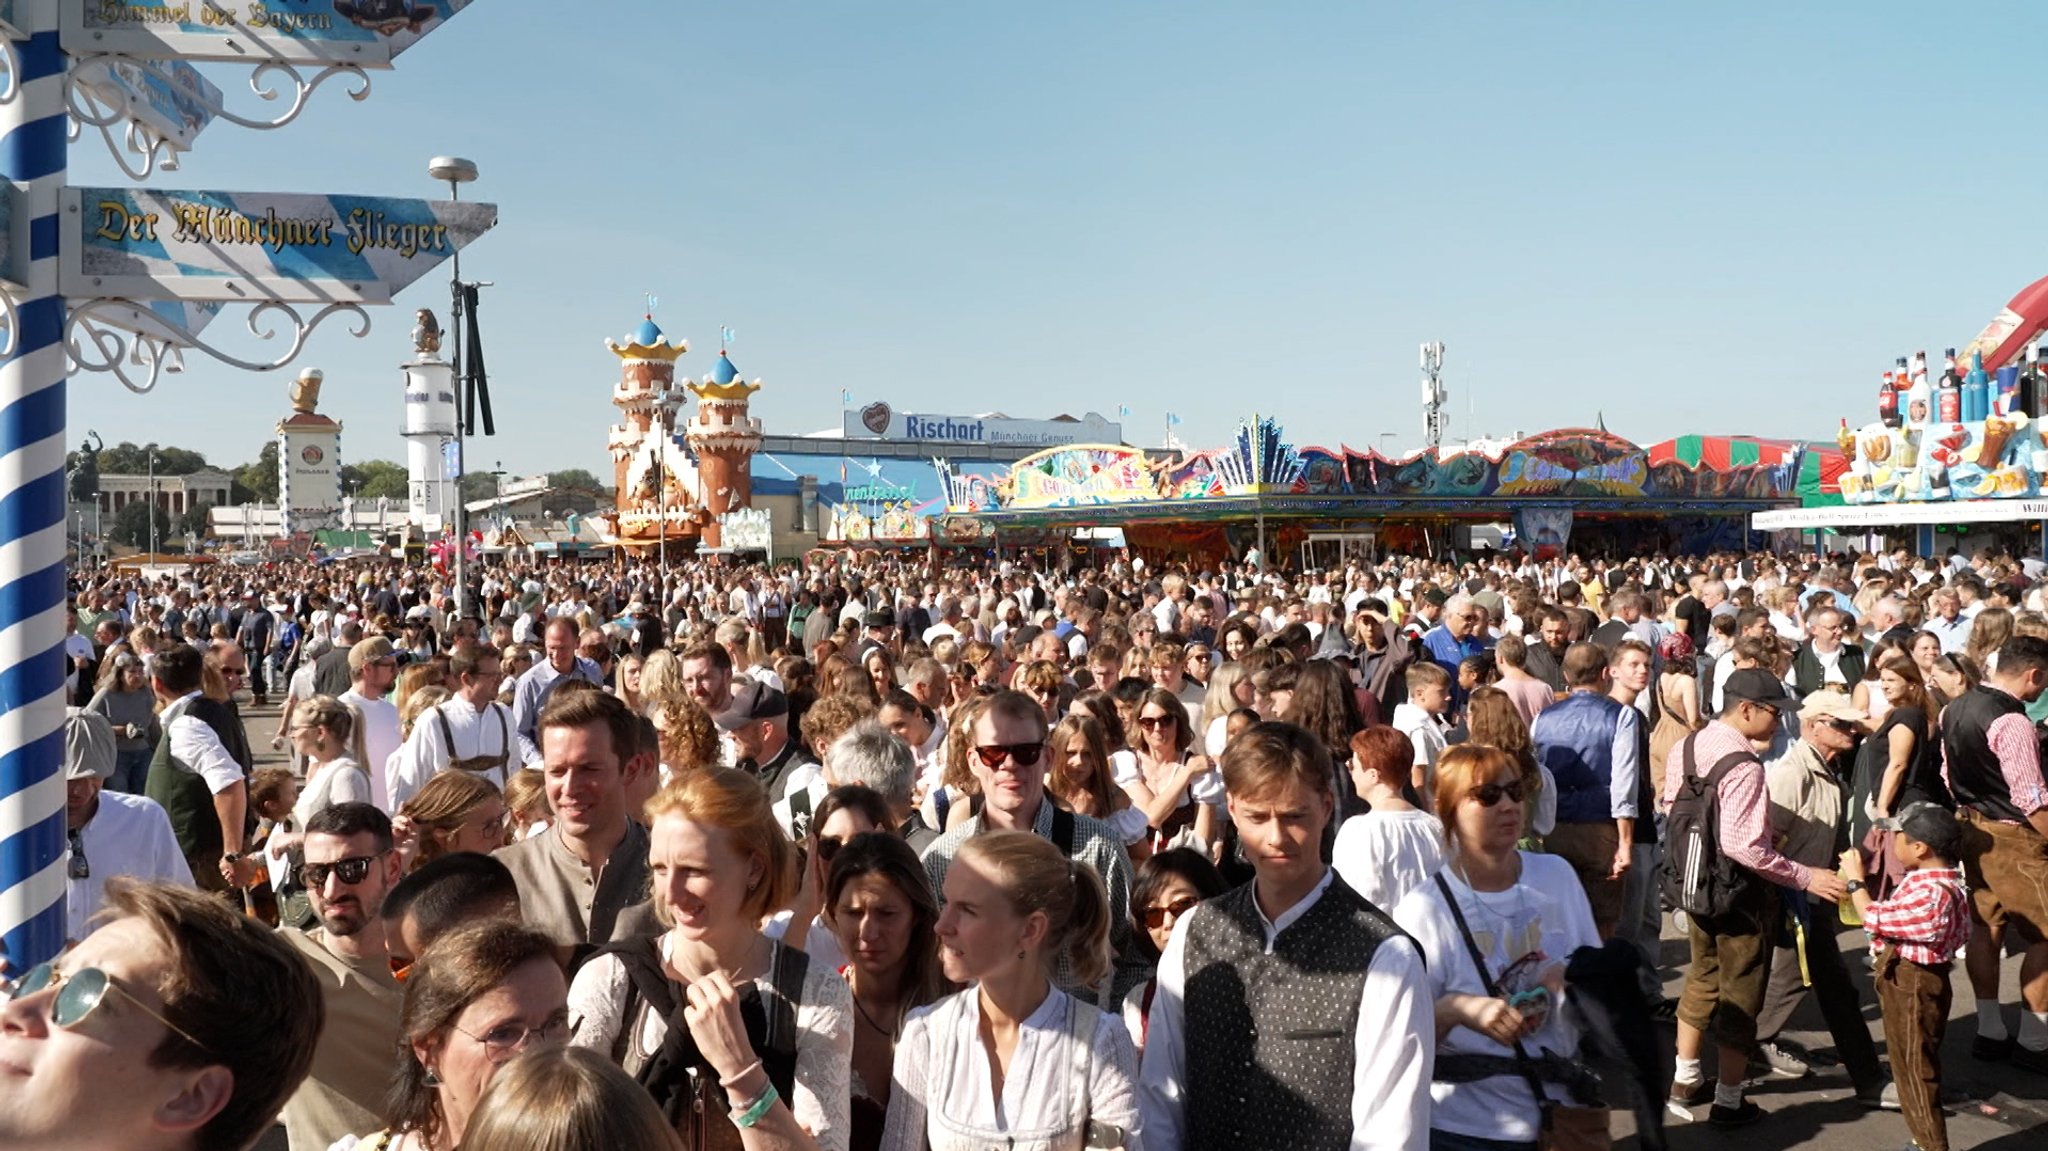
<point x="1915" y="935"/>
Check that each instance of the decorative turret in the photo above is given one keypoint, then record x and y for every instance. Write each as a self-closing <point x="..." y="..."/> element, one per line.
<point x="724" y="438"/>
<point x="654" y="476"/>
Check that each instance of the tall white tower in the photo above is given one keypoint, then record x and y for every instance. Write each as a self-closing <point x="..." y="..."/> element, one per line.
<point x="1433" y="395"/>
<point x="429" y="428"/>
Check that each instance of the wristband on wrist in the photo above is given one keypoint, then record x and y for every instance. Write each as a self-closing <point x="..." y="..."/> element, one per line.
<point x="732" y="1080"/>
<point x="754" y="1112"/>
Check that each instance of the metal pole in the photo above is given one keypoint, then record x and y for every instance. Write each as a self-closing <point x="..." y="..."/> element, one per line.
<point x="152" y="507"/>
<point x="33" y="150"/>
<point x="457" y="172"/>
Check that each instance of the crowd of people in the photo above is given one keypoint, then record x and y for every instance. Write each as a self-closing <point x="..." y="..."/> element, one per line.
<point x="907" y="854"/>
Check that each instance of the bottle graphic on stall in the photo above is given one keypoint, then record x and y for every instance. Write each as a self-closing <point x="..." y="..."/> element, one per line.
<point x="2028" y="401"/>
<point x="1976" y="391"/>
<point x="1888" y="402"/>
<point x="1919" y="396"/>
<point x="1948" y="398"/>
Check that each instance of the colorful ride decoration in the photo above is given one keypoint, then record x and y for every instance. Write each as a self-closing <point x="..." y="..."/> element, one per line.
<point x="1570" y="464"/>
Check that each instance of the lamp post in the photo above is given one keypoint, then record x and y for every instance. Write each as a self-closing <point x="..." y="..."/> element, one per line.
<point x="152" y="507"/>
<point x="457" y="171"/>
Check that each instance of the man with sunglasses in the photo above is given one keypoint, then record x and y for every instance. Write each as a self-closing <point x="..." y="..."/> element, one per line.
<point x="179" y="1024"/>
<point x="192" y="776"/>
<point x="469" y="732"/>
<point x="1731" y="953"/>
<point x="1009" y="759"/>
<point x="373" y="668"/>
<point x="349" y="867"/>
<point x="1808" y="796"/>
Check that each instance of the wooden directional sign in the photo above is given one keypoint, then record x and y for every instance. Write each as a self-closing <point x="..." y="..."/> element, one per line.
<point x="367" y="33"/>
<point x="169" y="97"/>
<point x="150" y="244"/>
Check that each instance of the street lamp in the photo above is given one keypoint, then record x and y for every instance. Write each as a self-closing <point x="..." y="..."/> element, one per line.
<point x="152" y="507"/>
<point x="456" y="172"/>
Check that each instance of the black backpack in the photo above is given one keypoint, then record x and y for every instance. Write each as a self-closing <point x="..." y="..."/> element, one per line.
<point x="1696" y="876"/>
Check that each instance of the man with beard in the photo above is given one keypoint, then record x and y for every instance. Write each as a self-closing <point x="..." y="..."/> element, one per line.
<point x="1546" y="653"/>
<point x="349" y="867"/>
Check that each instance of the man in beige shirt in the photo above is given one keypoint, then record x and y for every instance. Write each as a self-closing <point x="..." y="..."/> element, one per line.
<point x="350" y="865"/>
<point x="1807" y="788"/>
<point x="591" y="863"/>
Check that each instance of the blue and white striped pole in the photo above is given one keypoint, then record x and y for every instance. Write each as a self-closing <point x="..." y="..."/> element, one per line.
<point x="32" y="155"/>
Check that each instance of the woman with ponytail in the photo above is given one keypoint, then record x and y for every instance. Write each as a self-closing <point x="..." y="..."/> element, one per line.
<point x="1064" y="1071"/>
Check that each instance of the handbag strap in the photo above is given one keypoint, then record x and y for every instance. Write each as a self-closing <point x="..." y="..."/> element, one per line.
<point x="1523" y="1064"/>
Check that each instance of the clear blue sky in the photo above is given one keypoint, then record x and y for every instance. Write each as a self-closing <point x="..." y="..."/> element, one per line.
<point x="1690" y="221"/>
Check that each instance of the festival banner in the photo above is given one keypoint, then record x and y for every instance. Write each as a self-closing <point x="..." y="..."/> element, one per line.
<point x="251" y="246"/>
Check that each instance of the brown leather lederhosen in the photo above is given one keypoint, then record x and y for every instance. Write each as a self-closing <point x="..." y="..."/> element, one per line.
<point x="477" y="764"/>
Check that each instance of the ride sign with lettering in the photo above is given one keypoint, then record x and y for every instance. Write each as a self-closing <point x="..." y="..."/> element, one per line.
<point x="148" y="244"/>
<point x="366" y="33"/>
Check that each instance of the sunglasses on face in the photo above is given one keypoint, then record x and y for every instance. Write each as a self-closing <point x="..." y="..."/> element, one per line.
<point x="828" y="846"/>
<point x="1024" y="754"/>
<point x="1155" y="721"/>
<point x="351" y="871"/>
<point x="79" y="994"/>
<point x="1160" y="914"/>
<point x="1491" y="793"/>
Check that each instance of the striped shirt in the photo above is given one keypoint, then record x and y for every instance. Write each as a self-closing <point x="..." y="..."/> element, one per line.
<point x="1926" y="920"/>
<point x="1745" y="828"/>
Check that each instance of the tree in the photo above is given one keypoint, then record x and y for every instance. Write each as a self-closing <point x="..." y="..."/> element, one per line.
<point x="194" y="521"/>
<point x="128" y="459"/>
<point x="131" y="525"/>
<point x="478" y="486"/>
<point x="375" y="479"/>
<point x="577" y="479"/>
<point x="257" y="481"/>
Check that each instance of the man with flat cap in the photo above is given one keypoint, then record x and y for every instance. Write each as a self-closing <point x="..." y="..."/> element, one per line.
<point x="757" y="721"/>
<point x="111" y="833"/>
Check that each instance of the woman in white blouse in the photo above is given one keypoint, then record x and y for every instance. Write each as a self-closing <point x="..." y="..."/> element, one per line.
<point x="719" y="862"/>
<point x="1013" y="1061"/>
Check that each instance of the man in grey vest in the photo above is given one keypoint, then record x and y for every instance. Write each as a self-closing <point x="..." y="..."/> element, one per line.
<point x="1290" y="1012"/>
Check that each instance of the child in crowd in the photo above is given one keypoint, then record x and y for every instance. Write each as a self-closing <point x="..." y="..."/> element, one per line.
<point x="1916" y="934"/>
<point x="1421" y="719"/>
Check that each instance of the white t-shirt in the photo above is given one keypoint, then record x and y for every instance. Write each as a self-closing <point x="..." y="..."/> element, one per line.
<point x="1384" y="855"/>
<point x="1426" y="734"/>
<point x="128" y="835"/>
<point x="1545" y="912"/>
<point x="380" y="739"/>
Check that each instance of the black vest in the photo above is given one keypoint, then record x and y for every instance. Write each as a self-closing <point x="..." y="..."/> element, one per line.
<point x="1973" y="771"/>
<point x="1270" y="1048"/>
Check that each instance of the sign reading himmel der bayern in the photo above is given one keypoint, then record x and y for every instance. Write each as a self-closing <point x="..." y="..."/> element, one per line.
<point x="147" y="244"/>
<point x="367" y="33"/>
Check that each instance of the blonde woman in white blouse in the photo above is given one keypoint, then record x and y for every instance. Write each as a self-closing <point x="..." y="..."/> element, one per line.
<point x="1013" y="1061"/>
<point x="719" y="862"/>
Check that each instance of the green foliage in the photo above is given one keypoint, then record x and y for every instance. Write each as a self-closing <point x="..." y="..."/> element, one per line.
<point x="127" y="458"/>
<point x="576" y="479"/>
<point x="257" y="482"/>
<point x="374" y="479"/>
<point x="193" y="522"/>
<point x="131" y="525"/>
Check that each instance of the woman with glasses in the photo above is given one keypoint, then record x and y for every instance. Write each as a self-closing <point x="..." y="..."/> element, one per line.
<point x="1184" y="784"/>
<point x="1495" y="925"/>
<point x="1013" y="1061"/>
<point x="668" y="1007"/>
<point x="1167" y="886"/>
<point x="841" y="814"/>
<point x="456" y="811"/>
<point x="475" y="998"/>
<point x="880" y="906"/>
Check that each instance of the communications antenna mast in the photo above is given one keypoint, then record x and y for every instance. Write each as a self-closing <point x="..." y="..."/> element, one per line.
<point x="1433" y="395"/>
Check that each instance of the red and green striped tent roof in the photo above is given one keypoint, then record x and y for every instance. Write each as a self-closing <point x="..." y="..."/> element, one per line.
<point x="1723" y="452"/>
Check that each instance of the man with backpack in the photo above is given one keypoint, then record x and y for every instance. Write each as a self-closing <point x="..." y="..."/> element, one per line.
<point x="1722" y="868"/>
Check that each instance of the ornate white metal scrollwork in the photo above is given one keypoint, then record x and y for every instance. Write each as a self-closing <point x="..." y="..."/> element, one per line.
<point x="10" y="59"/>
<point x="10" y="323"/>
<point x="149" y="150"/>
<point x="303" y="90"/>
<point x="137" y="345"/>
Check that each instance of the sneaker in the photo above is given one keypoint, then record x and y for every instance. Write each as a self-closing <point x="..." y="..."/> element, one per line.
<point x="1686" y="1096"/>
<point x="2029" y="1060"/>
<point x="1740" y="1115"/>
<point x="1992" y="1050"/>
<point x="1885" y="1099"/>
<point x="1778" y="1062"/>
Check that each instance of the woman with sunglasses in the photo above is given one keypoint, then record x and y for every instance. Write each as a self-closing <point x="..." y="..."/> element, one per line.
<point x="1522" y="913"/>
<point x="1167" y="886"/>
<point x="1013" y="1061"/>
<point x="456" y="811"/>
<point x="719" y="863"/>
<point x="841" y="814"/>
<point x="475" y="998"/>
<point x="1184" y="784"/>
<point x="329" y="734"/>
<point x="880" y="906"/>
